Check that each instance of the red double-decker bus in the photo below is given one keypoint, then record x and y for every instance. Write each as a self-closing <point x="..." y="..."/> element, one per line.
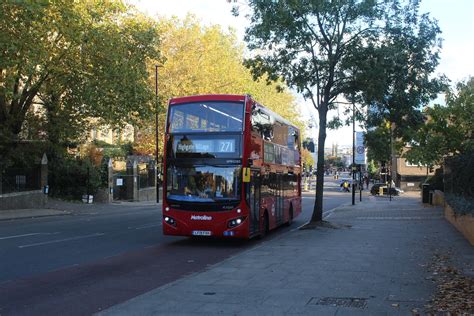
<point x="232" y="168"/>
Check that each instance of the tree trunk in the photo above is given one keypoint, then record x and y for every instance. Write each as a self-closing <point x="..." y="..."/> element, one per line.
<point x="318" y="205"/>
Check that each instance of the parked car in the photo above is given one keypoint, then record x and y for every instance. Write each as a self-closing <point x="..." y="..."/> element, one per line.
<point x="375" y="190"/>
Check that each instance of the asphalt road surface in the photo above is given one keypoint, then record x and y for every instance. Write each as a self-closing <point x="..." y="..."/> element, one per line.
<point x="80" y="264"/>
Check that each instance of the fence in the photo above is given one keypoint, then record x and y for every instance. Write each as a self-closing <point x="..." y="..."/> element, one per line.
<point x="146" y="175"/>
<point x="459" y="182"/>
<point x="21" y="179"/>
<point x="133" y="180"/>
<point x="24" y="187"/>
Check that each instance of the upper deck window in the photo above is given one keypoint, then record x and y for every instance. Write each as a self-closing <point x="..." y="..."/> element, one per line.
<point x="215" y="116"/>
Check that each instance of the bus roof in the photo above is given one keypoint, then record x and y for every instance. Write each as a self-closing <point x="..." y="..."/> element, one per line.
<point x="209" y="97"/>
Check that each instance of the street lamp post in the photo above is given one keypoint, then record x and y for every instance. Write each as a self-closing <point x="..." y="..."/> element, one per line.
<point x="353" y="152"/>
<point x="157" y="180"/>
<point x="390" y="165"/>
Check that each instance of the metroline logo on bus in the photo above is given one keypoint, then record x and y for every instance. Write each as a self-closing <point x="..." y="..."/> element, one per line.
<point x="360" y="158"/>
<point x="201" y="218"/>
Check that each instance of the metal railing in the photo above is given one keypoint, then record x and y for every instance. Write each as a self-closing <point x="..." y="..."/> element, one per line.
<point x="20" y="180"/>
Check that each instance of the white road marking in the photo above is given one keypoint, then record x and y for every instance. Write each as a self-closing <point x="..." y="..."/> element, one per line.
<point x="145" y="226"/>
<point x="61" y="240"/>
<point x="26" y="235"/>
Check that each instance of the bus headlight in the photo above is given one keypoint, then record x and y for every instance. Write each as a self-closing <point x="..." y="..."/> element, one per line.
<point x="169" y="220"/>
<point x="235" y="222"/>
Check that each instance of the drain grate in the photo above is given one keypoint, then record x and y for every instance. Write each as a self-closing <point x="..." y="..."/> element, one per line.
<point x="354" y="302"/>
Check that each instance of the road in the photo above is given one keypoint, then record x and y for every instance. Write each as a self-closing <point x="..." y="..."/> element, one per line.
<point x="52" y="265"/>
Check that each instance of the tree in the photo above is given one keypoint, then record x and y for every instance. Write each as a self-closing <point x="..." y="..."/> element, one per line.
<point x="202" y="59"/>
<point x="307" y="158"/>
<point x="325" y="50"/>
<point x="77" y="63"/>
<point x="312" y="45"/>
<point x="396" y="79"/>
<point x="448" y="130"/>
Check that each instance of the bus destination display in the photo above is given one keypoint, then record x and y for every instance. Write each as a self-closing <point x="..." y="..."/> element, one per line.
<point x="205" y="146"/>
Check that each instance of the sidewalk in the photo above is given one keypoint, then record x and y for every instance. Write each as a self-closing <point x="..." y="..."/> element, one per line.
<point x="376" y="263"/>
<point x="56" y="207"/>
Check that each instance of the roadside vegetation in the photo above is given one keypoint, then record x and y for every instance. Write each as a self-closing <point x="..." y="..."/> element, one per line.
<point x="69" y="68"/>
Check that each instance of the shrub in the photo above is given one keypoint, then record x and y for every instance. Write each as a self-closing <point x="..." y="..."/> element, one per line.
<point x="459" y="182"/>
<point x="71" y="178"/>
<point x="436" y="180"/>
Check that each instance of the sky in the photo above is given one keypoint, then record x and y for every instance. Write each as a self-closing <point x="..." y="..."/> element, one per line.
<point x="455" y="18"/>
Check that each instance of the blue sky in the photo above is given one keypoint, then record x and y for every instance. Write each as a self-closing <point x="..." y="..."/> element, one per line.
<point x="455" y="18"/>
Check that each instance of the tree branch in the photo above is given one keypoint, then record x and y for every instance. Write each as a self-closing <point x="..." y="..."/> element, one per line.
<point x="312" y="31"/>
<point x="14" y="106"/>
<point x="311" y="95"/>
<point x="323" y="32"/>
<point x="3" y="104"/>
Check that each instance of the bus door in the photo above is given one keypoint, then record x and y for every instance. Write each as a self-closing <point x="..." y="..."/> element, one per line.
<point x="279" y="199"/>
<point x="254" y="202"/>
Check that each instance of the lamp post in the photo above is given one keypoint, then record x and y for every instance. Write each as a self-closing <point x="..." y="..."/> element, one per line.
<point x="156" y="138"/>
<point x="390" y="165"/>
<point x="353" y="152"/>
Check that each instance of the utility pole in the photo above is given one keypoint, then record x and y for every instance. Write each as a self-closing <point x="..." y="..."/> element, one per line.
<point x="390" y="157"/>
<point x="158" y="169"/>
<point x="353" y="152"/>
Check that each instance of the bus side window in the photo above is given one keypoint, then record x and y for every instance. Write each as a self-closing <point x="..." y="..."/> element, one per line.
<point x="296" y="140"/>
<point x="262" y="123"/>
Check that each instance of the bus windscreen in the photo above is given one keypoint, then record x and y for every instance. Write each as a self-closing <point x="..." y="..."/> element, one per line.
<point x="203" y="183"/>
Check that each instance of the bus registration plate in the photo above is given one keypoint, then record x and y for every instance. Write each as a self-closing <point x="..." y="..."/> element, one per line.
<point x="201" y="233"/>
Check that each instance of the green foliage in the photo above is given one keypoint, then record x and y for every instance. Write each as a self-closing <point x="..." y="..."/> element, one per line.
<point x="448" y="129"/>
<point x="459" y="182"/>
<point x="78" y="62"/>
<point x="395" y="77"/>
<point x="459" y="175"/>
<point x="71" y="178"/>
<point x="372" y="169"/>
<point x="436" y="180"/>
<point x="207" y="60"/>
<point x="312" y="46"/>
<point x="378" y="143"/>
<point x="25" y="155"/>
<point x="379" y="54"/>
<point x="333" y="162"/>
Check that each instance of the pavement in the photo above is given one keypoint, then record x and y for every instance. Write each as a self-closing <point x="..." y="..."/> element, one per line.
<point x="55" y="207"/>
<point x="374" y="259"/>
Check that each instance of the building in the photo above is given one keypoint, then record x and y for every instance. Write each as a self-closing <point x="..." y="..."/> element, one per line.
<point x="407" y="176"/>
<point x="112" y="136"/>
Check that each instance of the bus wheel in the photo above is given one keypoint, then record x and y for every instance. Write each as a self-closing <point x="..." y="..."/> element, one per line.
<point x="290" y="216"/>
<point x="265" y="227"/>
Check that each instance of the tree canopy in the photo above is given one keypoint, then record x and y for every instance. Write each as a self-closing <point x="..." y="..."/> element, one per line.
<point x="448" y="129"/>
<point x="202" y="59"/>
<point x="324" y="49"/>
<point x="65" y="63"/>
